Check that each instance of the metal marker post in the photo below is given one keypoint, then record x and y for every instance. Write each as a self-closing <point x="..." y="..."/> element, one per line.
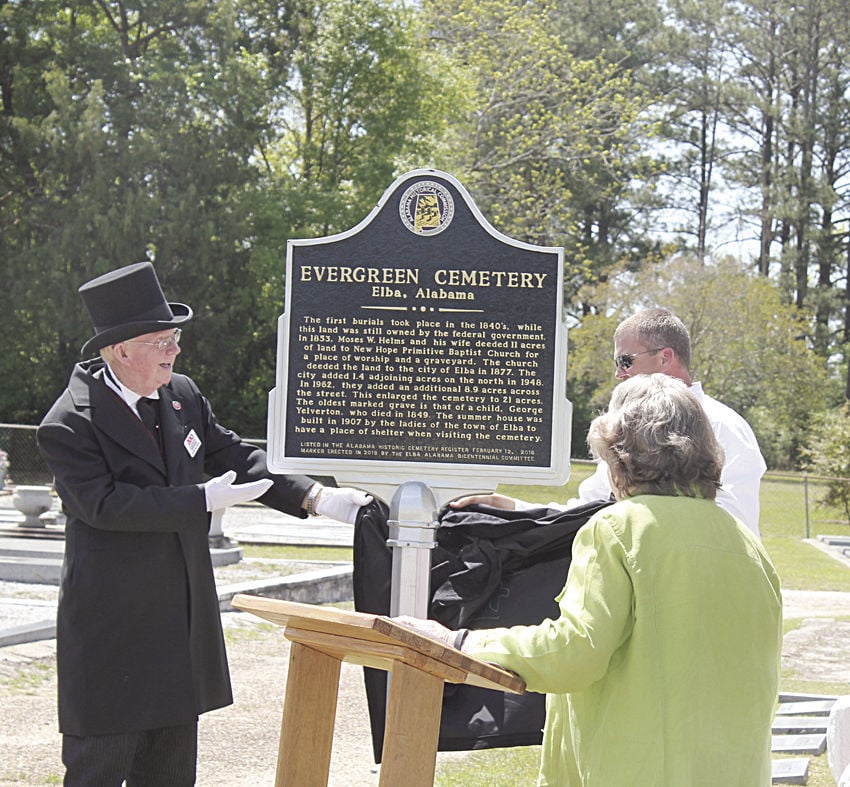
<point x="412" y="525"/>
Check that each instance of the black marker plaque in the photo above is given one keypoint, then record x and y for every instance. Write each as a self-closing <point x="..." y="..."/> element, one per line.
<point x="422" y="343"/>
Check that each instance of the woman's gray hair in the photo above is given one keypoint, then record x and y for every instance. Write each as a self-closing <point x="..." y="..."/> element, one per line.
<point x="656" y="439"/>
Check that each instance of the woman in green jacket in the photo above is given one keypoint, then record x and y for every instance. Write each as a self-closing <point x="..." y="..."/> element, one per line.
<point x="662" y="668"/>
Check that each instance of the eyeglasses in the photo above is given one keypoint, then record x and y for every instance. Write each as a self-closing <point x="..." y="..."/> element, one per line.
<point x="162" y="344"/>
<point x="626" y="360"/>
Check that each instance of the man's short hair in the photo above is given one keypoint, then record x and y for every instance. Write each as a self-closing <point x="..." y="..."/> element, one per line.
<point x="659" y="328"/>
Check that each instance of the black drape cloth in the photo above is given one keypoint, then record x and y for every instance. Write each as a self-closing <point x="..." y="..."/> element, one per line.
<point x="490" y="568"/>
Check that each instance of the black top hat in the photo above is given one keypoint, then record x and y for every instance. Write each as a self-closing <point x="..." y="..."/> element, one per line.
<point x="128" y="302"/>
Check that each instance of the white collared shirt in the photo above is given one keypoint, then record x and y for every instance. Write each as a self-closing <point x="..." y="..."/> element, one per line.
<point x="130" y="397"/>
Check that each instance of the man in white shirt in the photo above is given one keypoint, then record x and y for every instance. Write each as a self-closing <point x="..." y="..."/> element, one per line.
<point x="656" y="340"/>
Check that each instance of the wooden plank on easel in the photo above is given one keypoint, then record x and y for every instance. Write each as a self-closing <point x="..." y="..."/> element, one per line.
<point x="374" y="633"/>
<point x="322" y="639"/>
<point x="376" y="655"/>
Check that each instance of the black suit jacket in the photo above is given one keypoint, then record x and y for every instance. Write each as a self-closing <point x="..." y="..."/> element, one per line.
<point x="139" y="639"/>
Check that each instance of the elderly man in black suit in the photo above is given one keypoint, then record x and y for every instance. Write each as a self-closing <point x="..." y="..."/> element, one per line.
<point x="140" y="648"/>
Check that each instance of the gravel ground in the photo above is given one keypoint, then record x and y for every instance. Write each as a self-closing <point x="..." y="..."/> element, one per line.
<point x="237" y="744"/>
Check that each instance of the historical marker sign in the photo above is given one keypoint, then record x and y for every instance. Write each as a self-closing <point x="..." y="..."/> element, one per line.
<point x="422" y="345"/>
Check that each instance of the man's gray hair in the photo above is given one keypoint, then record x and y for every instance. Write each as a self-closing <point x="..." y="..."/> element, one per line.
<point x="656" y="439"/>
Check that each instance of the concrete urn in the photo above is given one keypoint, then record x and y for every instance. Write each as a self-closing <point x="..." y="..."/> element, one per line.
<point x="32" y="502"/>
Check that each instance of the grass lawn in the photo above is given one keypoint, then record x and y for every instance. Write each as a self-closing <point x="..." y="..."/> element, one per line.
<point x="785" y="524"/>
<point x="306" y="553"/>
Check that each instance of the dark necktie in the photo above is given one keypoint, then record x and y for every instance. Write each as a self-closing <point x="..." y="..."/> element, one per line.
<point x="149" y="413"/>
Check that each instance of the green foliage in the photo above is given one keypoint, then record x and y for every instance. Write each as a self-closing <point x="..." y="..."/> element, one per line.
<point x="201" y="136"/>
<point x="31" y="680"/>
<point x="205" y="135"/>
<point x="805" y="569"/>
<point x="296" y="553"/>
<point x="335" y="150"/>
<point x="743" y="339"/>
<point x="697" y="89"/>
<point x="828" y="454"/>
<point x="511" y="767"/>
<point x="550" y="140"/>
<point x="590" y="373"/>
<point x="132" y="147"/>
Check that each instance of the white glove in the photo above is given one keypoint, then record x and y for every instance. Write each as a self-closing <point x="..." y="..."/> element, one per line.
<point x="221" y="492"/>
<point x="524" y="505"/>
<point x="432" y="629"/>
<point x="341" y="503"/>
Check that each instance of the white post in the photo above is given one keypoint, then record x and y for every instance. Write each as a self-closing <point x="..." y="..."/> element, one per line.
<point x="412" y="525"/>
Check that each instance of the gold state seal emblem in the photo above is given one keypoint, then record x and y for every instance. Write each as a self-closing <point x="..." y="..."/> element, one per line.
<point x="426" y="208"/>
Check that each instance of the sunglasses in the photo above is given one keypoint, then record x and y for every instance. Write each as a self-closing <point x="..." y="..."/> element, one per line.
<point x="626" y="360"/>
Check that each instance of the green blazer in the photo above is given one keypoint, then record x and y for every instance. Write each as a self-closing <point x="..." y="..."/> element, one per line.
<point x="663" y="666"/>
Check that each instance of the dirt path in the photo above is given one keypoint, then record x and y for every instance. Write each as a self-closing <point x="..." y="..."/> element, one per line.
<point x="237" y="744"/>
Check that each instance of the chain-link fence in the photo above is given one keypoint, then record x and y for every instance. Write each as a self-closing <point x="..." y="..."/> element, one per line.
<point x="800" y="498"/>
<point x="24" y="464"/>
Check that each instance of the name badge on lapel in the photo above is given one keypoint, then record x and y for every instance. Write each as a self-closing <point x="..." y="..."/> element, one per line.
<point x="192" y="443"/>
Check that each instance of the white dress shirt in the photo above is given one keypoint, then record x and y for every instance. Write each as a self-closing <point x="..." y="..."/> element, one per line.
<point x="130" y="397"/>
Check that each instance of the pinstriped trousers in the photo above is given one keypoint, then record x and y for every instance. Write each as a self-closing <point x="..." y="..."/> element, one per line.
<point x="163" y="757"/>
